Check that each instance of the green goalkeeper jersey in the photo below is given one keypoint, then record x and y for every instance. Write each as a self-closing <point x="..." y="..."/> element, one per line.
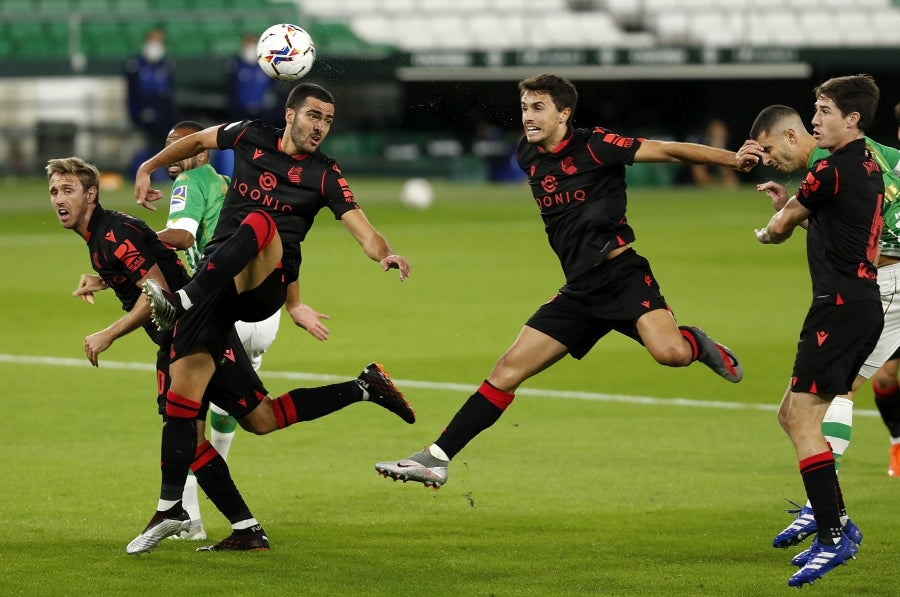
<point x="197" y="197"/>
<point x="888" y="159"/>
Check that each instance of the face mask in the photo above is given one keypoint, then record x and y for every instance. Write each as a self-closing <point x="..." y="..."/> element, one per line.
<point x="248" y="54"/>
<point x="154" y="51"/>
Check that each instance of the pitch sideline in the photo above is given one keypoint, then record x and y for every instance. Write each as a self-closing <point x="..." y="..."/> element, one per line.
<point x="433" y="385"/>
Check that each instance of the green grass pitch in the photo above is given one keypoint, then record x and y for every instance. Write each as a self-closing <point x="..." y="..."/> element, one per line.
<point x="609" y="476"/>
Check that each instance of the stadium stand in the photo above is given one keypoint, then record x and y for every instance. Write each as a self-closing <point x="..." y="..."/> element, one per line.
<point x="92" y="38"/>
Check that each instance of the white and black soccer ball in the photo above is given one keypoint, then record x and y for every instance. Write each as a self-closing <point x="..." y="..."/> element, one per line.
<point x="285" y="52"/>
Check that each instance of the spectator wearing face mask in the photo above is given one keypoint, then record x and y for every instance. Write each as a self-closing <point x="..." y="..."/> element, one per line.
<point x="151" y="95"/>
<point x="251" y="93"/>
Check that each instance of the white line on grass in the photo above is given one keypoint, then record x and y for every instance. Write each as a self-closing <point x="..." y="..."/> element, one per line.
<point x="432" y="385"/>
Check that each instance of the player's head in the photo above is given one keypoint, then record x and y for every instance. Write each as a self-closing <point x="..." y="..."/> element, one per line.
<point x="302" y="92"/>
<point x="785" y="141"/>
<point x="74" y="191"/>
<point x="180" y="130"/>
<point x="548" y="105"/>
<point x="856" y="96"/>
<point x="308" y="114"/>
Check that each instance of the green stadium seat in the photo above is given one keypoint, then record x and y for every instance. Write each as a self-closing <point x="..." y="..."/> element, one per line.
<point x="16" y="8"/>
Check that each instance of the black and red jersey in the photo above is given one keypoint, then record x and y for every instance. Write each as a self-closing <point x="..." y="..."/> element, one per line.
<point x="123" y="249"/>
<point x="292" y="189"/>
<point x="844" y="192"/>
<point x="579" y="189"/>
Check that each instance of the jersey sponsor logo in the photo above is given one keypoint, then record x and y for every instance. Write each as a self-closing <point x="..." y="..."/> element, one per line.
<point x="549" y="183"/>
<point x="294" y="174"/>
<point x="179" y="199"/>
<point x="260" y="196"/>
<point x="267" y="181"/>
<point x="233" y="124"/>
<point x="568" y="165"/>
<point x="257" y="153"/>
<point x="128" y="254"/>
<point x="554" y="199"/>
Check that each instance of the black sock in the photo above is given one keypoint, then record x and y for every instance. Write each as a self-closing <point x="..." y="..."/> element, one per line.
<point x="215" y="480"/>
<point x="179" y="443"/>
<point x="306" y="404"/>
<point x="823" y="492"/>
<point x="479" y="412"/>
<point x="888" y="402"/>
<point x="228" y="260"/>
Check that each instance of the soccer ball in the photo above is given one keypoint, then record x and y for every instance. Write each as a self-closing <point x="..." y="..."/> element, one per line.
<point x="285" y="52"/>
<point x="417" y="193"/>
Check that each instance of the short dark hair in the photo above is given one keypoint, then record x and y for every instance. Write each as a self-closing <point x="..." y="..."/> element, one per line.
<point x="561" y="90"/>
<point x="769" y="117"/>
<point x="191" y="125"/>
<point x="297" y="96"/>
<point x="852" y="93"/>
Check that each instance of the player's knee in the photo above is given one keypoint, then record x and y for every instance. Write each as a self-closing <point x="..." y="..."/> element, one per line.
<point x="672" y="354"/>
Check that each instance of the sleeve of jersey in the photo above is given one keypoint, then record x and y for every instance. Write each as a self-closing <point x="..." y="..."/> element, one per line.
<point x="336" y="192"/>
<point x="228" y="134"/>
<point x="819" y="185"/>
<point x="129" y="248"/>
<point x="186" y="205"/>
<point x="610" y="149"/>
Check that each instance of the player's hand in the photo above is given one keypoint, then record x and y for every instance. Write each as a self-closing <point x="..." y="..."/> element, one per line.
<point x="142" y="191"/>
<point x="87" y="286"/>
<point x="396" y="262"/>
<point x="309" y="319"/>
<point x="94" y="345"/>
<point x="774" y="191"/>
<point x="748" y="156"/>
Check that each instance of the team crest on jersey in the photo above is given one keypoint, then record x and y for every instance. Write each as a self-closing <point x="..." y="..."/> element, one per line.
<point x="568" y="165"/>
<point x="294" y="174"/>
<point x="179" y="199"/>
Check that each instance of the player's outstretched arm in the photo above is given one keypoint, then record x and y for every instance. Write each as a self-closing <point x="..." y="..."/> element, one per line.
<point x="782" y="224"/>
<point x="136" y="318"/>
<point x="305" y="316"/>
<point x="186" y="147"/>
<point x="374" y="244"/>
<point x="694" y="153"/>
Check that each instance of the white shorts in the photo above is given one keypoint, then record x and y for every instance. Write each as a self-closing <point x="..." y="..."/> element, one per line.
<point x="257" y="336"/>
<point x="889" y="283"/>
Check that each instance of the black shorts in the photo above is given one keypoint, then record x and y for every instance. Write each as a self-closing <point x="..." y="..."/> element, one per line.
<point x="613" y="296"/>
<point x="235" y="387"/>
<point x="834" y="343"/>
<point x="208" y="321"/>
